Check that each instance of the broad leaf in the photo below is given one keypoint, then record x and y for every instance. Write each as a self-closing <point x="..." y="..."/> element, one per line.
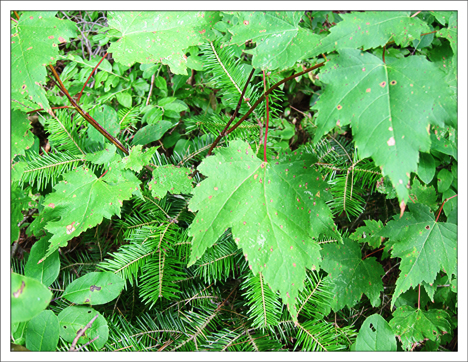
<point x="414" y="325"/>
<point x="19" y="201"/>
<point x="376" y="335"/>
<point x="423" y="194"/>
<point x="47" y="271"/>
<point x="151" y="133"/>
<point x="369" y="233"/>
<point x="106" y="116"/>
<point x="21" y="137"/>
<point x="159" y="36"/>
<point x="34" y="45"/>
<point x="280" y="40"/>
<point x="387" y="105"/>
<point x="94" y="288"/>
<point x="137" y="159"/>
<point x="28" y="298"/>
<point x="82" y="200"/>
<point x="73" y="319"/>
<point x="426" y="167"/>
<point x="275" y="210"/>
<point x="424" y="246"/>
<point x="351" y="275"/>
<point x="42" y="332"/>
<point x="172" y="179"/>
<point x="367" y="30"/>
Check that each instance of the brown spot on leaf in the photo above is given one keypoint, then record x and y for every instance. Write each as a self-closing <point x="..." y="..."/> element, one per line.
<point x="70" y="228"/>
<point x="62" y="40"/>
<point x="20" y="290"/>
<point x="383" y="84"/>
<point x="246" y="22"/>
<point x="52" y="205"/>
<point x="92" y="288"/>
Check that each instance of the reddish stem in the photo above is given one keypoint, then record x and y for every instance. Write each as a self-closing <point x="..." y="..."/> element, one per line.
<point x="41" y="109"/>
<point x="267" y="120"/>
<point x="375" y="251"/>
<point x="383" y="53"/>
<point x="440" y="210"/>
<point x="103" y="173"/>
<point x="87" y="80"/>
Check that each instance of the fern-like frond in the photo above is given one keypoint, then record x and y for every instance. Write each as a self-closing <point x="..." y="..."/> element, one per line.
<point x="264" y="305"/>
<point x="128" y="117"/>
<point x="318" y="336"/>
<point x="214" y="125"/>
<point x="158" y="276"/>
<point x="64" y="133"/>
<point x="229" y="75"/>
<point x="128" y="261"/>
<point x="46" y="170"/>
<point x="221" y="261"/>
<point x="314" y="301"/>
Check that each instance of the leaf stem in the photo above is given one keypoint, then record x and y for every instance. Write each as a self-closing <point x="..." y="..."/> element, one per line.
<point x="87" y="80"/>
<point x="223" y="133"/>
<point x="86" y="116"/>
<point x="271" y="89"/>
<point x="440" y="210"/>
<point x="81" y="333"/>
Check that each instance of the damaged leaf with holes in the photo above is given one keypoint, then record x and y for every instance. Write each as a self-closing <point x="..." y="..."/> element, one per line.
<point x="387" y="105"/>
<point x="276" y="211"/>
<point x="281" y="42"/>
<point x="75" y="318"/>
<point x="94" y="288"/>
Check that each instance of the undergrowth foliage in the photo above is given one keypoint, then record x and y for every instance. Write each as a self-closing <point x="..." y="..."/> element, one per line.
<point x="245" y="181"/>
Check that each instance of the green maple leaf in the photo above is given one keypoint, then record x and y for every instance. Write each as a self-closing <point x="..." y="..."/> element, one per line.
<point x="351" y="275"/>
<point x="280" y="40"/>
<point x="82" y="200"/>
<point x="274" y="209"/>
<point x="170" y="178"/>
<point x="424" y="246"/>
<point x="369" y="233"/>
<point x="34" y="45"/>
<point x="137" y="159"/>
<point x="414" y="325"/>
<point x="387" y="105"/>
<point x="152" y="37"/>
<point x="371" y="30"/>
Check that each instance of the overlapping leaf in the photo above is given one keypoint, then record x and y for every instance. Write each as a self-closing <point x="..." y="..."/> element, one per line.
<point x="280" y="40"/>
<point x="274" y="209"/>
<point x="34" y="45"/>
<point x="387" y="105"/>
<point x="370" y="29"/>
<point x="170" y="178"/>
<point x="82" y="200"/>
<point x="159" y="36"/>
<point x="415" y="325"/>
<point x="351" y="275"/>
<point x="424" y="246"/>
<point x="376" y="335"/>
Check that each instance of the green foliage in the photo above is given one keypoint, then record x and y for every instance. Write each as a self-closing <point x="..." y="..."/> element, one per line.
<point x="35" y="42"/>
<point x="282" y="217"/>
<point x="376" y="335"/>
<point x="187" y="229"/>
<point x="28" y="298"/>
